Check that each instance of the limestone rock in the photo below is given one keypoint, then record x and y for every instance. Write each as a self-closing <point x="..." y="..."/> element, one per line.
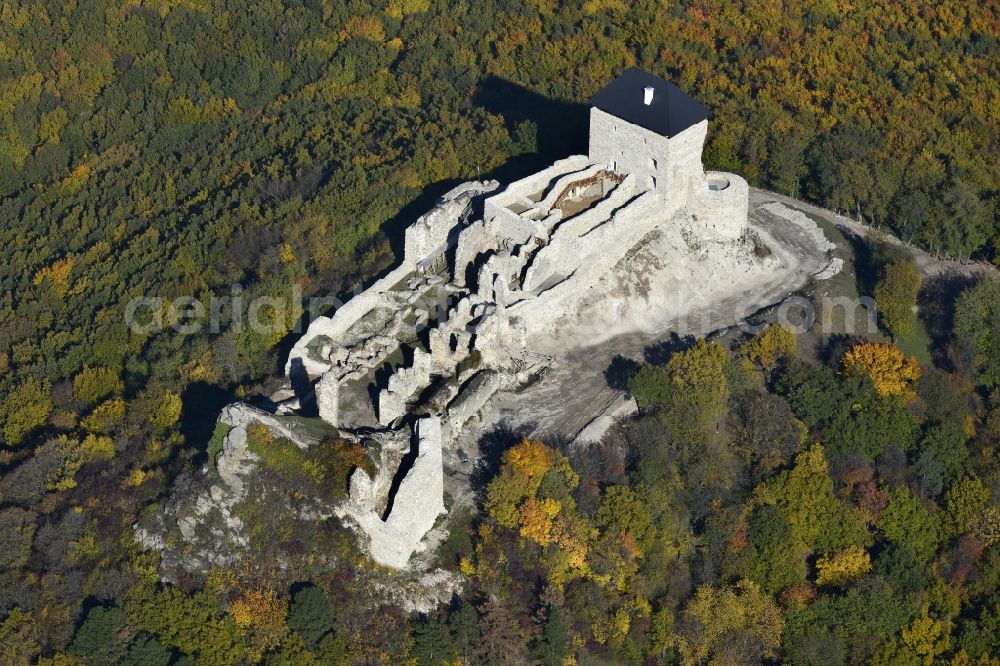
<point x="328" y="398"/>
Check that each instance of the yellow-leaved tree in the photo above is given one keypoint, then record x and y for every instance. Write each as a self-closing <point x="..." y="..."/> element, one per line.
<point x="891" y="371"/>
<point x="770" y="346"/>
<point x="531" y="494"/>
<point x="842" y="567"/>
<point x="261" y="613"/>
<point x="717" y="615"/>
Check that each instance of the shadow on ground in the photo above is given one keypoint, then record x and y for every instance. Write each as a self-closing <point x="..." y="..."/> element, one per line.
<point x="937" y="311"/>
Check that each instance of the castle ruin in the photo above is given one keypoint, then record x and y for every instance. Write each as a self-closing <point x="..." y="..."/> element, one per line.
<point x="490" y="271"/>
<point x="505" y="310"/>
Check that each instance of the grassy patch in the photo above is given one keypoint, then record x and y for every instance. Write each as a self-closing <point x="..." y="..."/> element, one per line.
<point x="324" y="469"/>
<point x="918" y="344"/>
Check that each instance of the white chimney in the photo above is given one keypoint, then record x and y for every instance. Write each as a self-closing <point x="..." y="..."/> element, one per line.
<point x="647" y="97"/>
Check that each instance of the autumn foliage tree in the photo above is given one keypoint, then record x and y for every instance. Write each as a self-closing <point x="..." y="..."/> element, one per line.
<point x="890" y="370"/>
<point x="844" y="566"/>
<point x="716" y="616"/>
<point x="770" y="346"/>
<point x="532" y="495"/>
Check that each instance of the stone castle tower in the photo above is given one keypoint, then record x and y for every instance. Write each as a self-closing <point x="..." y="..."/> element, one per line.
<point x="646" y="126"/>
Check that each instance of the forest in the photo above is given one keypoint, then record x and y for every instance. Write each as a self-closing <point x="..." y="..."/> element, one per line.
<point x="777" y="500"/>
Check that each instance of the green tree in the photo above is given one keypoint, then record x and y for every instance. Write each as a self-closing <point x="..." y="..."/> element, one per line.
<point x="148" y="652"/>
<point x="964" y="503"/>
<point x="464" y="625"/>
<point x="896" y="297"/>
<point x="622" y="512"/>
<point x="906" y="522"/>
<point x="311" y="614"/>
<point x="92" y="385"/>
<point x="977" y="326"/>
<point x="776" y="562"/>
<point x="17" y="531"/>
<point x="699" y="374"/>
<point x="432" y="645"/>
<point x="103" y="638"/>
<point x="651" y="387"/>
<point x="554" y="647"/>
<point x="817" y="518"/>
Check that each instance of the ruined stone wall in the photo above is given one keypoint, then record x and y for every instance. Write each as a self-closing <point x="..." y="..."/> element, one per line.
<point x="429" y="235"/>
<point x="589" y="237"/>
<point x="685" y="170"/>
<point x="404" y="384"/>
<point x="432" y="232"/>
<point x="522" y="191"/>
<point x="588" y="219"/>
<point x="348" y="314"/>
<point x="563" y="181"/>
<point x="418" y="501"/>
<point x="473" y="397"/>
<point x="592" y="255"/>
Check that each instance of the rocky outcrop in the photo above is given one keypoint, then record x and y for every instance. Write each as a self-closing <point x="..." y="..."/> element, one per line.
<point x="198" y="528"/>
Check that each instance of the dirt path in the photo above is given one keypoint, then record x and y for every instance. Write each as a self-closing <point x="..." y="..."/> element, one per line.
<point x="926" y="263"/>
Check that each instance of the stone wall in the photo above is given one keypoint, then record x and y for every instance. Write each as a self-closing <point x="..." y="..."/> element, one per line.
<point x="571" y="254"/>
<point x="684" y="161"/>
<point x="327" y="391"/>
<point x="404" y="384"/>
<point x="425" y="238"/>
<point x="418" y="501"/>
<point x="433" y="231"/>
<point x="627" y="148"/>
<point x="335" y="326"/>
<point x="473" y="397"/>
<point x="592" y="256"/>
<point x="526" y="190"/>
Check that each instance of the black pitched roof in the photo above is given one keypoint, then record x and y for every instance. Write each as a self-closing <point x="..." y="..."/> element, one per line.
<point x="671" y="112"/>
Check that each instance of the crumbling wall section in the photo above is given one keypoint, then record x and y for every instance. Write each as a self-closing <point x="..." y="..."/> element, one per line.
<point x="418" y="501"/>
<point x="586" y="258"/>
<point x="472" y="398"/>
<point x="685" y="170"/>
<point x="429" y="235"/>
<point x="403" y="385"/>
